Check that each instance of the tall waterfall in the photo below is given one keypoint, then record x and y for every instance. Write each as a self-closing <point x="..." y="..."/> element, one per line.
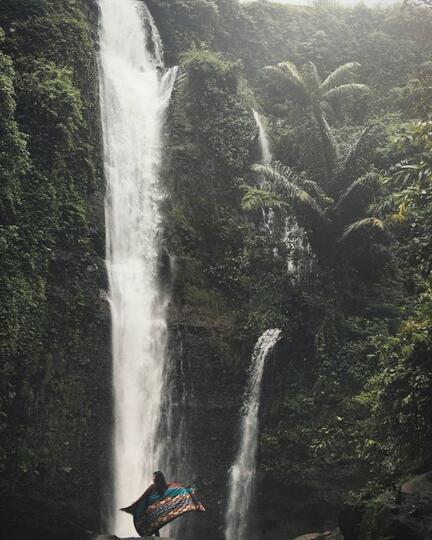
<point x="134" y="96"/>
<point x="264" y="143"/>
<point x="242" y="473"/>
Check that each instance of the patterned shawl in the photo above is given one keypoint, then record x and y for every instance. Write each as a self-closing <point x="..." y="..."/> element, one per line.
<point x="152" y="512"/>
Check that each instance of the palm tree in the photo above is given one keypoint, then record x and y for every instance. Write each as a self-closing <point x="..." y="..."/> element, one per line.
<point x="316" y="100"/>
<point x="329" y="220"/>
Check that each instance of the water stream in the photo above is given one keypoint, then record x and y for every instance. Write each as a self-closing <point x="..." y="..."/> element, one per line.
<point x="264" y="143"/>
<point x="242" y="472"/>
<point x="135" y="92"/>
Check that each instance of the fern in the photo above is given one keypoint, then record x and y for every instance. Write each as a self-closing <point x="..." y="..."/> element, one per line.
<point x="346" y="91"/>
<point x="255" y="199"/>
<point x="285" y="181"/>
<point x="341" y="75"/>
<point x="361" y="188"/>
<point x="366" y="223"/>
<point x="286" y="75"/>
<point x="315" y="99"/>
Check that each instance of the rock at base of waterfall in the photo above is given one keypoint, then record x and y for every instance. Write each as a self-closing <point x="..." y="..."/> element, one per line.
<point x="108" y="537"/>
<point x="404" y="514"/>
<point x="327" y="535"/>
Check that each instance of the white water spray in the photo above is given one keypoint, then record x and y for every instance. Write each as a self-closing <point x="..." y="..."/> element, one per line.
<point x="299" y="254"/>
<point x="242" y="473"/>
<point x="263" y="140"/>
<point x="134" y="98"/>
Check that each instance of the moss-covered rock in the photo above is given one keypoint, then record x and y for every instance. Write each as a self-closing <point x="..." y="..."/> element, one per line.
<point x="55" y="403"/>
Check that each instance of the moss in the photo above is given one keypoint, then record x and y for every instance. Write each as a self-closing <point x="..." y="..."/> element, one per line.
<point x="230" y="278"/>
<point x="54" y="338"/>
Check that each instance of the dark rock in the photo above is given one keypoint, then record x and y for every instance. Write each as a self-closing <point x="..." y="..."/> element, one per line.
<point x="419" y="487"/>
<point x="394" y="525"/>
<point x="310" y="536"/>
<point x="425" y="466"/>
<point x="350" y="520"/>
<point x="22" y="518"/>
<point x="327" y="535"/>
<point x="409" y="520"/>
<point x="110" y="537"/>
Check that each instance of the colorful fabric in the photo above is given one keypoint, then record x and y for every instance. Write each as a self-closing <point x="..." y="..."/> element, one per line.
<point x="155" y="511"/>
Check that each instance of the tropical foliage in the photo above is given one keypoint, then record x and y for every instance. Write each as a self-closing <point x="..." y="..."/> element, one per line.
<point x="317" y="100"/>
<point x="331" y="243"/>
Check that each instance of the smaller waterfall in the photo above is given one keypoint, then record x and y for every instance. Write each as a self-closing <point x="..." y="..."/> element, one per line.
<point x="269" y="220"/>
<point x="264" y="143"/>
<point x="299" y="256"/>
<point x="242" y="473"/>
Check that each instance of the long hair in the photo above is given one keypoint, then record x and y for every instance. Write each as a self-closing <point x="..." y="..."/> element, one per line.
<point x="160" y="482"/>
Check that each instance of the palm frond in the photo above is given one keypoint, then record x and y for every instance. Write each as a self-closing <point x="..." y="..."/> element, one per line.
<point x="321" y="149"/>
<point x="355" y="202"/>
<point x="310" y="77"/>
<point x="285" y="181"/>
<point x="328" y="110"/>
<point x="385" y="208"/>
<point x="315" y="191"/>
<point x="358" y="150"/>
<point x="342" y="75"/>
<point x="287" y="75"/>
<point x="330" y="146"/>
<point x="366" y="223"/>
<point x="291" y="70"/>
<point x="255" y="199"/>
<point x="357" y="159"/>
<point x="276" y="173"/>
<point x="346" y="91"/>
<point x="359" y="191"/>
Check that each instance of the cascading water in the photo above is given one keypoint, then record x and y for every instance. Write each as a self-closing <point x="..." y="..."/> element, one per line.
<point x="266" y="157"/>
<point x="242" y="473"/>
<point x="134" y="96"/>
<point x="298" y="251"/>
<point x="264" y="143"/>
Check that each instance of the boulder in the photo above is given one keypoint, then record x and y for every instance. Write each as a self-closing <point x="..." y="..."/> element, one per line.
<point x="24" y="518"/>
<point x="408" y="516"/>
<point x="419" y="488"/>
<point x="327" y="535"/>
<point x="112" y="537"/>
<point x="349" y="521"/>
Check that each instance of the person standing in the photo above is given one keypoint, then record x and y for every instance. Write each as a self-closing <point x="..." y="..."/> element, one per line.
<point x="161" y="503"/>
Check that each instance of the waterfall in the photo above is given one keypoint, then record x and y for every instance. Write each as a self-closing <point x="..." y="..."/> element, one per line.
<point x="264" y="143"/>
<point x="242" y="473"/>
<point x="135" y="92"/>
<point x="299" y="255"/>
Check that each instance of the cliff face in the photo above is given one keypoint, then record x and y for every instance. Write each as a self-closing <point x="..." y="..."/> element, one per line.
<point x="229" y="284"/>
<point x="230" y="278"/>
<point x="55" y="342"/>
<point x="210" y="138"/>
